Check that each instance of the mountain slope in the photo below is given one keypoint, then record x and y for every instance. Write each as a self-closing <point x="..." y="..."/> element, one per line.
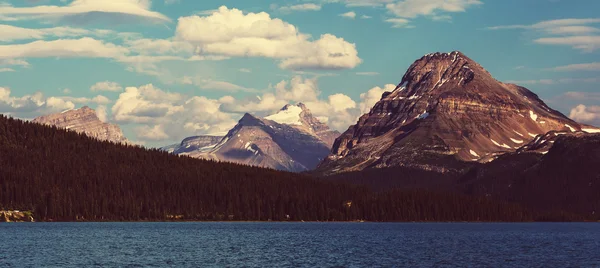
<point x="84" y="120"/>
<point x="291" y="140"/>
<point x="446" y="110"/>
<point x="195" y="143"/>
<point x="565" y="176"/>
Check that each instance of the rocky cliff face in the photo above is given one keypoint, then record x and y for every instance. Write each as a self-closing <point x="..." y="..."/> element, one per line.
<point x="84" y="120"/>
<point x="290" y="140"/>
<point x="446" y="108"/>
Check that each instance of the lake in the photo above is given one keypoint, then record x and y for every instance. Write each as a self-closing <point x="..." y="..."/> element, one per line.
<point x="231" y="244"/>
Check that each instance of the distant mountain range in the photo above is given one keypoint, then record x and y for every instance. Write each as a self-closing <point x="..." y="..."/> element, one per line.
<point x="290" y="140"/>
<point x="448" y="126"/>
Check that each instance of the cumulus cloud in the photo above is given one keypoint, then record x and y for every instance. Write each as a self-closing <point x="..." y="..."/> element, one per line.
<point x="106" y="86"/>
<point x="231" y="32"/>
<point x="169" y="116"/>
<point x="85" y="10"/>
<point x="576" y="33"/>
<point x="31" y="105"/>
<point x="586" y="114"/>
<point x="337" y="110"/>
<point x="145" y="104"/>
<point x="102" y="113"/>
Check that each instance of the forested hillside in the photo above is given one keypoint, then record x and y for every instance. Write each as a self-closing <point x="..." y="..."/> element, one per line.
<point x="65" y="176"/>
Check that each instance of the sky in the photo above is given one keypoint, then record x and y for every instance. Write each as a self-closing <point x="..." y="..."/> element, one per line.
<point x="164" y="70"/>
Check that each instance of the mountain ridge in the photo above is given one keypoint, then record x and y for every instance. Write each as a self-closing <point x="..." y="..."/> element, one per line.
<point x="84" y="120"/>
<point x="291" y="140"/>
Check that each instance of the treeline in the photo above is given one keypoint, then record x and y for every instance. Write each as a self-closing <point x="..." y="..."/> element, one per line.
<point x="65" y="176"/>
<point x="563" y="184"/>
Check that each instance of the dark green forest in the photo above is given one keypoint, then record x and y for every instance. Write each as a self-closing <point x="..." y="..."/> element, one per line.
<point x="65" y="176"/>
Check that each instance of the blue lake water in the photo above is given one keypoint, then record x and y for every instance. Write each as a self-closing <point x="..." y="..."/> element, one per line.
<point x="300" y="244"/>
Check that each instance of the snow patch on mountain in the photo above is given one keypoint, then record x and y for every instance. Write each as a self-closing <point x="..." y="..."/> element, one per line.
<point x="288" y="116"/>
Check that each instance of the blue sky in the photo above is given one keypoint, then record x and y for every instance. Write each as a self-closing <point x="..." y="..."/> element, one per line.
<point x="167" y="69"/>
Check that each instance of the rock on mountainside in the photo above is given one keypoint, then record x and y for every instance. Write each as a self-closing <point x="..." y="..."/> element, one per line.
<point x="290" y="140"/>
<point x="84" y="120"/>
<point x="446" y="109"/>
<point x="191" y="144"/>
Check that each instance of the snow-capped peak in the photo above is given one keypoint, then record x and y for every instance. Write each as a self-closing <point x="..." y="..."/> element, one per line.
<point x="289" y="115"/>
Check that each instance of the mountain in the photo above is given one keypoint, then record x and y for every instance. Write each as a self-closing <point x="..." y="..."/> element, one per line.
<point x="446" y="111"/>
<point x="300" y="117"/>
<point x="290" y="140"/>
<point x="195" y="143"/>
<point x="84" y="120"/>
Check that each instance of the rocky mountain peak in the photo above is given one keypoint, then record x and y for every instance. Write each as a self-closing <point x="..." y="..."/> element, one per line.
<point x="84" y="120"/>
<point x="300" y="117"/>
<point x="448" y="107"/>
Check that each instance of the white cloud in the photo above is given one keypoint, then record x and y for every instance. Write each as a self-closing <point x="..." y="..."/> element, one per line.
<point x="12" y="33"/>
<point x="594" y="66"/>
<point x="586" y="114"/>
<point x="434" y="9"/>
<point x="170" y="2"/>
<point x="169" y="116"/>
<point x="365" y="17"/>
<point x="4" y="70"/>
<point x="350" y="15"/>
<point x="106" y="86"/>
<point x="145" y="104"/>
<point x="399" y="23"/>
<point x="337" y="110"/>
<point x="17" y="62"/>
<point x="211" y="84"/>
<point x="554" y="81"/>
<point x="101" y="100"/>
<point x="360" y="3"/>
<point x="245" y="70"/>
<point x="582" y="96"/>
<point x="532" y="82"/>
<point x="575" y="33"/>
<point x="372" y="96"/>
<point x="83" y="47"/>
<point x="31" y="105"/>
<point x="367" y="73"/>
<point x="230" y="32"/>
<point x="84" y="10"/>
<point x="299" y="7"/>
<point x="585" y="43"/>
<point x="101" y="112"/>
